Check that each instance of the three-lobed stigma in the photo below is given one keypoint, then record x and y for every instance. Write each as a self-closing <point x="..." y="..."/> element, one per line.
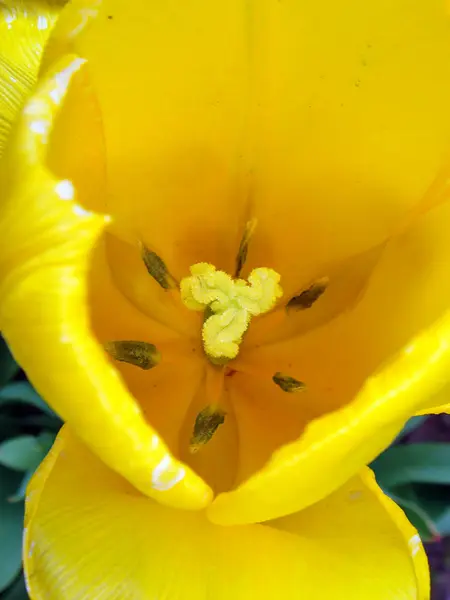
<point x="231" y="304"/>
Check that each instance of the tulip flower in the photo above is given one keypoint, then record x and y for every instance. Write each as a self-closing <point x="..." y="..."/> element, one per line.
<point x="224" y="258"/>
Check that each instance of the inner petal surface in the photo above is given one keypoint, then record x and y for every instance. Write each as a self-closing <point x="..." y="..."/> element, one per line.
<point x="317" y="117"/>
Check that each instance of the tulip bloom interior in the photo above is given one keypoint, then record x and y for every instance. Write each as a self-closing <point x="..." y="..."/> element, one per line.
<point x="229" y="239"/>
<point x="230" y="163"/>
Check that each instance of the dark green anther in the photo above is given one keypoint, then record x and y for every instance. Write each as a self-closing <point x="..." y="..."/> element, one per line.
<point x="288" y="384"/>
<point x="157" y="269"/>
<point x="140" y="354"/>
<point x="206" y="424"/>
<point x="243" y="246"/>
<point x="309" y="296"/>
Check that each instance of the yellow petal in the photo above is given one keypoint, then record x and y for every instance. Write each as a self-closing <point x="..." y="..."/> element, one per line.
<point x="133" y="280"/>
<point x="24" y="29"/>
<point x="90" y="535"/>
<point x="438" y="404"/>
<point x="216" y="461"/>
<point x="361" y="508"/>
<point x="350" y="114"/>
<point x="337" y="445"/>
<point x="324" y="120"/>
<point x="406" y="290"/>
<point x="173" y="124"/>
<point x="266" y="418"/>
<point x="46" y="239"/>
<point x="355" y="121"/>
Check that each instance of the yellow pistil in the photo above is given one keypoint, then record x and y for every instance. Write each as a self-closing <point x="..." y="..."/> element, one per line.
<point x="231" y="303"/>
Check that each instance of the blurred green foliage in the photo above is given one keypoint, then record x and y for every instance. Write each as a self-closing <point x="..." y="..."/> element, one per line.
<point x="417" y="477"/>
<point x="27" y="430"/>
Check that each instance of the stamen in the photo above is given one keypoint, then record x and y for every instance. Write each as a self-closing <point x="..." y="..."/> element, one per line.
<point x="309" y="296"/>
<point x="243" y="246"/>
<point x="157" y="269"/>
<point x="229" y="304"/>
<point x="206" y="424"/>
<point x="140" y="354"/>
<point x="288" y="383"/>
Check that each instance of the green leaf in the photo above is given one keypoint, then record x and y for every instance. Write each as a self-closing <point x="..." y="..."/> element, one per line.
<point x="11" y="524"/>
<point x="426" y="529"/>
<point x="17" y="591"/>
<point x="413" y="463"/>
<point x="443" y="522"/>
<point x="41" y="421"/>
<point x="9" y="427"/>
<point x="406" y="497"/>
<point x="19" y="494"/>
<point x="23" y="392"/>
<point x="46" y="440"/>
<point x="8" y="366"/>
<point x="435" y="500"/>
<point x="25" y="452"/>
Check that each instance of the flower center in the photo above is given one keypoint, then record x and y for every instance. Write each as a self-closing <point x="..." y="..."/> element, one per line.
<point x="229" y="305"/>
<point x="208" y="431"/>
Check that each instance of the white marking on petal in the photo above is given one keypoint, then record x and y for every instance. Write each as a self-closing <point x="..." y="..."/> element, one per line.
<point x="415" y="544"/>
<point x="42" y="23"/>
<point x="31" y="548"/>
<point x="65" y="189"/>
<point x="80" y="211"/>
<point x="9" y="19"/>
<point x="36" y="106"/>
<point x="160" y="470"/>
<point x="62" y="80"/>
<point x="39" y="126"/>
<point x="56" y="95"/>
<point x="86" y="14"/>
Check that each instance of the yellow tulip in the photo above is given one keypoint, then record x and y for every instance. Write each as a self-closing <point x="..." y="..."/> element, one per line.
<point x="224" y="260"/>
